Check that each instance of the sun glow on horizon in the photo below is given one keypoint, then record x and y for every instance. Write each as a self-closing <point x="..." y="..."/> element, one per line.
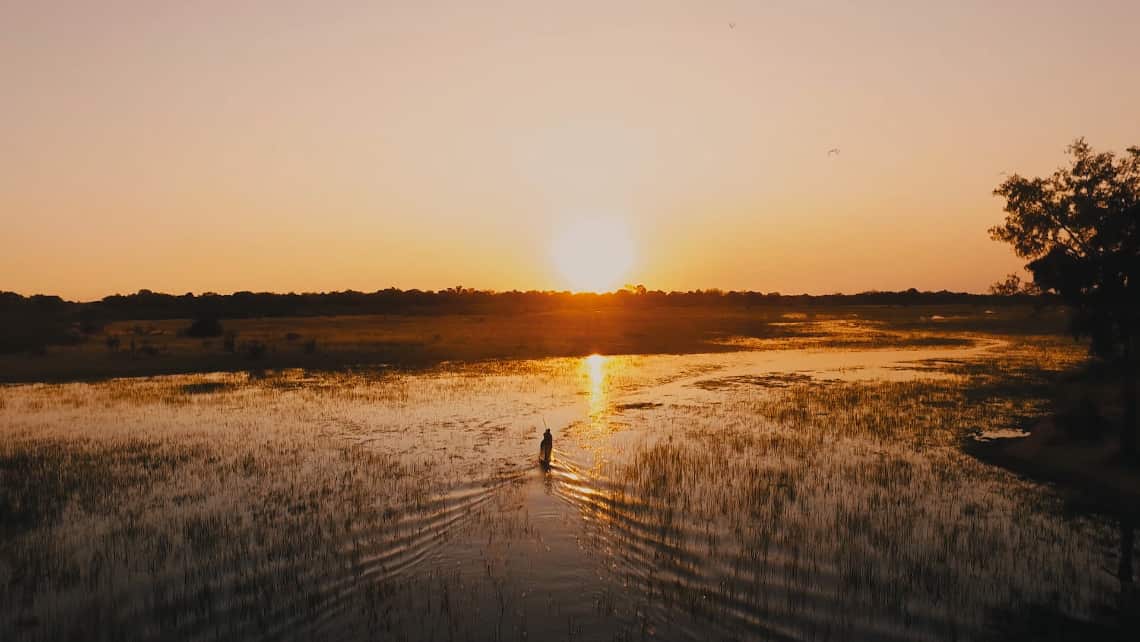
<point x="593" y="255"/>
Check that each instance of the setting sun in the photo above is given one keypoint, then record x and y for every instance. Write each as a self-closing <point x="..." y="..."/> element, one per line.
<point x="593" y="255"/>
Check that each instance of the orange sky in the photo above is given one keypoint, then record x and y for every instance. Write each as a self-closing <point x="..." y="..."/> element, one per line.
<point x="220" y="146"/>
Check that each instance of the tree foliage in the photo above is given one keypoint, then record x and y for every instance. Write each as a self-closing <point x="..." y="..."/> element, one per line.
<point x="1012" y="285"/>
<point x="1080" y="230"/>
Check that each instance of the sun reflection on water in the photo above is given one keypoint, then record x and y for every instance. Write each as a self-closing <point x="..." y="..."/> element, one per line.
<point x="595" y="368"/>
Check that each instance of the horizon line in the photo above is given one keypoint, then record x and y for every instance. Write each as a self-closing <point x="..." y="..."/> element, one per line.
<point x="462" y="290"/>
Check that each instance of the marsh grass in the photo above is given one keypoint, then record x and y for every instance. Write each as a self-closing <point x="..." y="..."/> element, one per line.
<point x="830" y="509"/>
<point x="379" y="504"/>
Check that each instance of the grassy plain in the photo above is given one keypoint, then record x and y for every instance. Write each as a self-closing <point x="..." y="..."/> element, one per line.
<point x="327" y="343"/>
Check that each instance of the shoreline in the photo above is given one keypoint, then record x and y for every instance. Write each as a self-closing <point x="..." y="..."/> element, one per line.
<point x="1091" y="472"/>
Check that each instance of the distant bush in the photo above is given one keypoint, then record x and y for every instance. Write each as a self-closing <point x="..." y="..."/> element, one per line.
<point x="204" y="327"/>
<point x="229" y="344"/>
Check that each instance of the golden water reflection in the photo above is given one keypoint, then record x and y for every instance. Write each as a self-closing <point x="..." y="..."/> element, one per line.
<point x="596" y="369"/>
<point x="598" y="374"/>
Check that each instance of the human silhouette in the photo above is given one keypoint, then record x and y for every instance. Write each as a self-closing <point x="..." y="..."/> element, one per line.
<point x="546" y="447"/>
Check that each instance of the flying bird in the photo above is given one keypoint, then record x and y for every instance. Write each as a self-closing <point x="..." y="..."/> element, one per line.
<point x="833" y="150"/>
<point x="732" y="25"/>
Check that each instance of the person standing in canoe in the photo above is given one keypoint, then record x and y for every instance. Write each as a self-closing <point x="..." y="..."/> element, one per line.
<point x="546" y="447"/>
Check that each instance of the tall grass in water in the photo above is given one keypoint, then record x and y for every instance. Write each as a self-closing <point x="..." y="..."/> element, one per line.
<point x="385" y="505"/>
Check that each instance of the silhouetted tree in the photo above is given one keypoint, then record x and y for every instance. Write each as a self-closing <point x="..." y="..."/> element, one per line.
<point x="1009" y="286"/>
<point x="1080" y="230"/>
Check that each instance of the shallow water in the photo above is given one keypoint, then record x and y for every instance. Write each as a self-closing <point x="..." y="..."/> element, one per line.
<point x="756" y="494"/>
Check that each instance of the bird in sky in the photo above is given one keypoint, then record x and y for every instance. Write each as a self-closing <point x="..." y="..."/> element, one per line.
<point x="833" y="150"/>
<point x="732" y="25"/>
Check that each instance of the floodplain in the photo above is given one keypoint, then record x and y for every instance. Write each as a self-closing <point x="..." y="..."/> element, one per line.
<point x="816" y="484"/>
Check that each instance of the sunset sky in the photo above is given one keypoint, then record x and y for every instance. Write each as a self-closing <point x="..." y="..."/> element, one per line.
<point x="301" y="146"/>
